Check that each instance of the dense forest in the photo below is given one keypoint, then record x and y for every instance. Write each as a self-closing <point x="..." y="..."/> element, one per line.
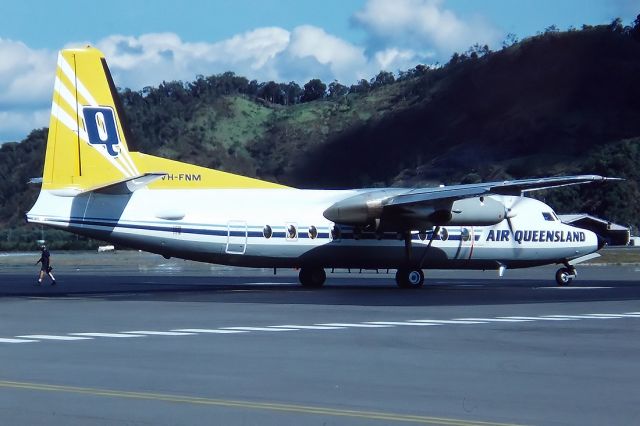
<point x="556" y="103"/>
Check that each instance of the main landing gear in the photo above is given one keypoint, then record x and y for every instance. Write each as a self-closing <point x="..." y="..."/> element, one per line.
<point x="312" y="277"/>
<point x="564" y="276"/>
<point x="409" y="278"/>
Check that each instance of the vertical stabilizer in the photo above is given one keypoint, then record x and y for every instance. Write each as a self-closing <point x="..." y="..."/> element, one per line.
<point x="87" y="145"/>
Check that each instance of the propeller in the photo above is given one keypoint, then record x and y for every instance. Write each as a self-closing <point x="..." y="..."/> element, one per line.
<point x="511" y="210"/>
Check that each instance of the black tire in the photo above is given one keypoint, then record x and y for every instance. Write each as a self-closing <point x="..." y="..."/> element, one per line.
<point x="563" y="276"/>
<point x="409" y="278"/>
<point x="312" y="277"/>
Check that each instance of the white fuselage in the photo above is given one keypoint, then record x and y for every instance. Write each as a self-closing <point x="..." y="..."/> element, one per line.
<point x="227" y="226"/>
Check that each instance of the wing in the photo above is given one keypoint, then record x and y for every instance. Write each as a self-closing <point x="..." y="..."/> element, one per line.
<point x="402" y="209"/>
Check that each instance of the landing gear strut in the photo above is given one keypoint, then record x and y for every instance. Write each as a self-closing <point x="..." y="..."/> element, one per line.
<point x="409" y="278"/>
<point x="312" y="277"/>
<point x="564" y="276"/>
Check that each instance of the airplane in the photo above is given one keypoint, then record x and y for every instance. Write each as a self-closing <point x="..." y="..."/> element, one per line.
<point x="94" y="186"/>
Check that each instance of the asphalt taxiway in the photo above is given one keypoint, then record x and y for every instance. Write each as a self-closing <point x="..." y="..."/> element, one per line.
<point x="189" y="346"/>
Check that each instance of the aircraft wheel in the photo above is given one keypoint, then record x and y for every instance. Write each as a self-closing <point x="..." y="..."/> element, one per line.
<point x="564" y="276"/>
<point x="409" y="278"/>
<point x="312" y="277"/>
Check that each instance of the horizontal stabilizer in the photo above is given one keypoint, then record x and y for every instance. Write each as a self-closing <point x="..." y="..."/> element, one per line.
<point x="121" y="187"/>
<point x="127" y="186"/>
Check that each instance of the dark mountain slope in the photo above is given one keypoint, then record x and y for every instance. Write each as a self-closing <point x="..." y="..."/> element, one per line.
<point x="535" y="108"/>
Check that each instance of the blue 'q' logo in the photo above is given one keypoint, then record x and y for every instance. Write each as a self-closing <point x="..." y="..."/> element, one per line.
<point x="101" y="128"/>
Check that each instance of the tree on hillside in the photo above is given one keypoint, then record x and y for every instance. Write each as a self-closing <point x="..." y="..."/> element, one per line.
<point x="509" y="40"/>
<point x="616" y="25"/>
<point x="455" y="59"/>
<point x="271" y="92"/>
<point x="382" y="79"/>
<point x="635" y="31"/>
<point x="337" y="90"/>
<point x="292" y="93"/>
<point x="314" y="89"/>
<point x="362" y="87"/>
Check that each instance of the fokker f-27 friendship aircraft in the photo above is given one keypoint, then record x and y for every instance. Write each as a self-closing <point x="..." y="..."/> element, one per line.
<point x="94" y="186"/>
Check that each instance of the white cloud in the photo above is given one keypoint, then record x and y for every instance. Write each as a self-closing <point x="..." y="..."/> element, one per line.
<point x="15" y="125"/>
<point x="346" y="61"/>
<point x="417" y="24"/>
<point x="26" y="75"/>
<point x="392" y="59"/>
<point x="152" y="58"/>
<point x="26" y="82"/>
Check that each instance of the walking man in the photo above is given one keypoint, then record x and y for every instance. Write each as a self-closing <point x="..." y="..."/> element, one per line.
<point x="45" y="268"/>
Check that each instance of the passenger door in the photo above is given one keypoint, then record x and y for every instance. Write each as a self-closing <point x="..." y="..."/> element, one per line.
<point x="236" y="237"/>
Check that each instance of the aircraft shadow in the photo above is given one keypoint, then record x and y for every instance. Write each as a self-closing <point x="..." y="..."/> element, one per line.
<point x="337" y="291"/>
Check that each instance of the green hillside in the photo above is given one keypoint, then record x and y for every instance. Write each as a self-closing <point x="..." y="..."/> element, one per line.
<point x="556" y="103"/>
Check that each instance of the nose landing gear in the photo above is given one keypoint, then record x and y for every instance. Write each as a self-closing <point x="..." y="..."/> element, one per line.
<point x="564" y="276"/>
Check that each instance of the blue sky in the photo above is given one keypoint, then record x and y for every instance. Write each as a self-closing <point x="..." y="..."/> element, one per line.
<point x="263" y="39"/>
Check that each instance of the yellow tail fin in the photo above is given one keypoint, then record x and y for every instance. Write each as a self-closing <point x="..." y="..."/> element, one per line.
<point x="87" y="144"/>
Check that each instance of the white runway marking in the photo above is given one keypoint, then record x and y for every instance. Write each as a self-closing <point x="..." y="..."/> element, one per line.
<point x="586" y="316"/>
<point x="208" y="330"/>
<point x="448" y="321"/>
<point x="258" y="329"/>
<point x="541" y="318"/>
<point x="324" y="326"/>
<point x="52" y="337"/>
<point x="17" y="341"/>
<point x="160" y="333"/>
<point x="494" y="319"/>
<point x="308" y="327"/>
<point x="419" y="324"/>
<point x="105" y="335"/>
<point x="615" y="315"/>
<point x="354" y="325"/>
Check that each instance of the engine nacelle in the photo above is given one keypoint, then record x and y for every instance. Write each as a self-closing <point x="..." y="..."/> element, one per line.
<point x="360" y="209"/>
<point x="479" y="211"/>
<point x="369" y="208"/>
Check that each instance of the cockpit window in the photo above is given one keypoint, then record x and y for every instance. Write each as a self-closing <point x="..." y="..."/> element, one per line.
<point x="548" y="216"/>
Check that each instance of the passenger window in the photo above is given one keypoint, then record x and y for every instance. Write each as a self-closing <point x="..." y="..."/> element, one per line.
<point x="444" y="234"/>
<point x="466" y="235"/>
<point x="313" y="232"/>
<point x="292" y="232"/>
<point x="267" y="231"/>
<point x="548" y="216"/>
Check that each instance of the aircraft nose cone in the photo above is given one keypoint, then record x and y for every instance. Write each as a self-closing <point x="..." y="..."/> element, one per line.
<point x="601" y="242"/>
